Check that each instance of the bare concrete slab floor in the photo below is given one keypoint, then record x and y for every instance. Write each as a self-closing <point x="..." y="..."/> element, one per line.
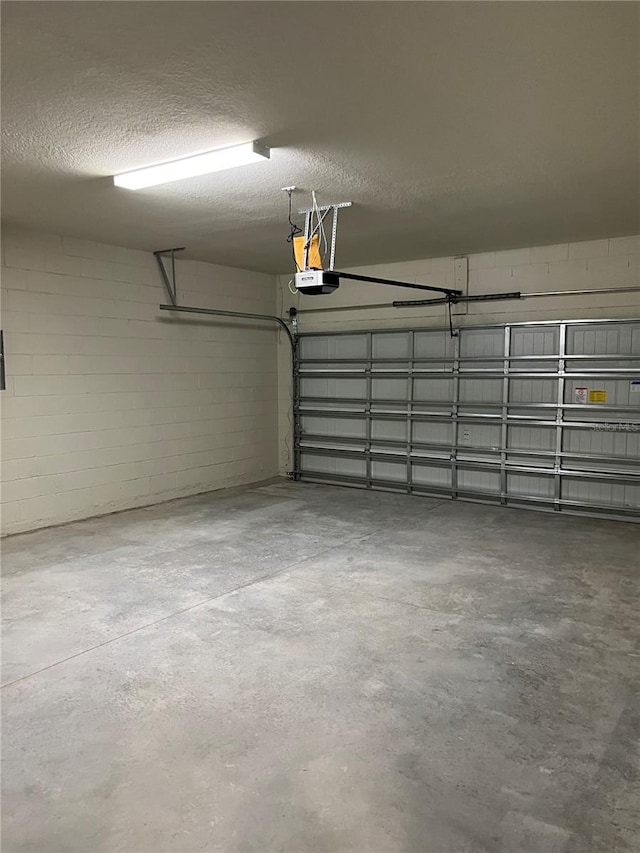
<point x="294" y="668"/>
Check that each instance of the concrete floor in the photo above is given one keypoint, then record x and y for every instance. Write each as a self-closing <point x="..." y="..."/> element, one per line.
<point x="294" y="668"/>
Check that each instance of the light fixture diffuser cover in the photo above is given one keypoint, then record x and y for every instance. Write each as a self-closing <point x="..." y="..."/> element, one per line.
<point x="191" y="167"/>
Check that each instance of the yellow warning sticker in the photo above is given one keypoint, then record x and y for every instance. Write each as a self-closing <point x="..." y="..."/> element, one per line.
<point x="598" y="396"/>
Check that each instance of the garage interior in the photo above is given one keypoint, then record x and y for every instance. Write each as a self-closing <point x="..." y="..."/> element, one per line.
<point x="344" y="572"/>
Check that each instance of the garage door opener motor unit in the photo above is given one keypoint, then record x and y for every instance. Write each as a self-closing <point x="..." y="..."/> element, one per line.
<point x="316" y="282"/>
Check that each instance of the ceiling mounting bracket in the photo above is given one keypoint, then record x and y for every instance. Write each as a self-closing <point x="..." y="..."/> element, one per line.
<point x="309" y="232"/>
<point x="170" y="284"/>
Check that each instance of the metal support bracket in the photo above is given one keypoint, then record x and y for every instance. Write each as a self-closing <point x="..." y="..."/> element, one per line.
<point x="170" y="284"/>
<point x="324" y="209"/>
<point x="451" y="301"/>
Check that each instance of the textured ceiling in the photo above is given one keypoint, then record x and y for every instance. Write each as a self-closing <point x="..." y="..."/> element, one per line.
<point x="454" y="127"/>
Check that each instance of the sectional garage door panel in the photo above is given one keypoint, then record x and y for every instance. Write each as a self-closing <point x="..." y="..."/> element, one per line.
<point x="542" y="414"/>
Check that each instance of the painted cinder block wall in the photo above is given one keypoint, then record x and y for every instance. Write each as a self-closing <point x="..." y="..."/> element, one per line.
<point x="111" y="403"/>
<point x="594" y="265"/>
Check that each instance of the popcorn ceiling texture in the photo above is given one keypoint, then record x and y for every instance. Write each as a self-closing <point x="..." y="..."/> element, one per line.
<point x="453" y="127"/>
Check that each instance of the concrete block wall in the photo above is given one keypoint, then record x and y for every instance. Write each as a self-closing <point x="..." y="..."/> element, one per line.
<point x="111" y="403"/>
<point x="594" y="265"/>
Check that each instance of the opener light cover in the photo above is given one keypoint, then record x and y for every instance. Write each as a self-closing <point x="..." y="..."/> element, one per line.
<point x="191" y="167"/>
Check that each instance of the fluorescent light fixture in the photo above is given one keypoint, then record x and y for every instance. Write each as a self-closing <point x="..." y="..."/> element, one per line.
<point x="190" y="167"/>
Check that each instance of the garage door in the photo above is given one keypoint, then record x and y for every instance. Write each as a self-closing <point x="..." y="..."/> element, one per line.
<point x="544" y="415"/>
